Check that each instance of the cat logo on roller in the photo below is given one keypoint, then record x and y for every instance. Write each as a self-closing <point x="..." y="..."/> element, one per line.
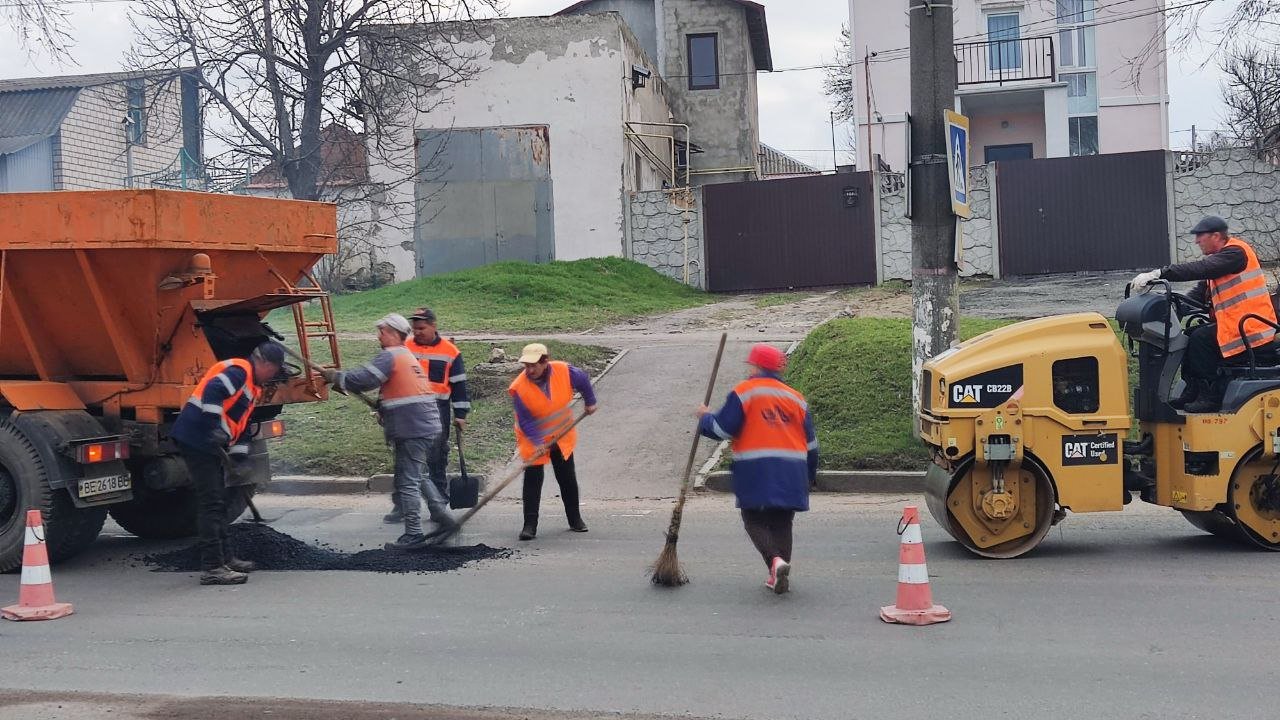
<point x="988" y="389"/>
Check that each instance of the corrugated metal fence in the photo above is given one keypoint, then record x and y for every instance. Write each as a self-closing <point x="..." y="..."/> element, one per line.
<point x="792" y="232"/>
<point x="1104" y="212"/>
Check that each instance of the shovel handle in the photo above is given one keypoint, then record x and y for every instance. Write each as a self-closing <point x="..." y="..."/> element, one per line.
<point x="318" y="368"/>
<point x="462" y="460"/>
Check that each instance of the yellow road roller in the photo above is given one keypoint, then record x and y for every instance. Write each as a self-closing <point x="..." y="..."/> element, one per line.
<point x="1031" y="421"/>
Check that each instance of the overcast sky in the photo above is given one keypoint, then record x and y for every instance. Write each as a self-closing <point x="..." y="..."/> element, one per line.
<point x="793" y="110"/>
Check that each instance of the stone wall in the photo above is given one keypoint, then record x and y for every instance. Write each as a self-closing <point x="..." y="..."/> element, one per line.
<point x="658" y="220"/>
<point x="894" y="227"/>
<point x="1235" y="185"/>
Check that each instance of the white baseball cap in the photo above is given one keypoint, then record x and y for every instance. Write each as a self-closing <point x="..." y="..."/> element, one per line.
<point x="396" y="322"/>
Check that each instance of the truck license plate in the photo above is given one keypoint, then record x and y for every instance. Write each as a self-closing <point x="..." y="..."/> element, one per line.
<point x="102" y="485"/>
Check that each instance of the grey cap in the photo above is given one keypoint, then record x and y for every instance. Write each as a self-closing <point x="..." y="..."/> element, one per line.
<point x="1210" y="223"/>
<point x="271" y="352"/>
<point x="396" y="322"/>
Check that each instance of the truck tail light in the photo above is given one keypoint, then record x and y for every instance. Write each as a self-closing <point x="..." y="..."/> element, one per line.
<point x="271" y="429"/>
<point x="100" y="452"/>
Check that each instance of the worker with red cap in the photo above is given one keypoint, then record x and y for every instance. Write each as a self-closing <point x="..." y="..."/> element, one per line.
<point x="775" y="456"/>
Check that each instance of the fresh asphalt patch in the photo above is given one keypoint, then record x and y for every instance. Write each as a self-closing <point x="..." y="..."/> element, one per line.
<point x="274" y="550"/>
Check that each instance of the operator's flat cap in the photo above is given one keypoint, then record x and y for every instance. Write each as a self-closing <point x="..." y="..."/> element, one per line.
<point x="1210" y="223"/>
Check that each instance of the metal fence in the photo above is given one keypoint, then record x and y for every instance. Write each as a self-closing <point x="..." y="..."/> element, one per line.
<point x="1005" y="61"/>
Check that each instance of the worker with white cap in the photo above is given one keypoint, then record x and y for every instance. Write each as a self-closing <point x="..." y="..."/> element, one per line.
<point x="410" y="420"/>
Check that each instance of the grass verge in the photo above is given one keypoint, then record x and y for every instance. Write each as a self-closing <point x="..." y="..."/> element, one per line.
<point x="342" y="437"/>
<point x="524" y="297"/>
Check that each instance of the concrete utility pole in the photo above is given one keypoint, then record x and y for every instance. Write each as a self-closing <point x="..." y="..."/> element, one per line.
<point x="934" y="303"/>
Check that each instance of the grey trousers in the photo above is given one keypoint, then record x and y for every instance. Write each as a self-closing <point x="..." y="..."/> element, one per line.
<point x="410" y="467"/>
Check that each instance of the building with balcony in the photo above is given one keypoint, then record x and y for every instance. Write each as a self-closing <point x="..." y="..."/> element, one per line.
<point x="1036" y="78"/>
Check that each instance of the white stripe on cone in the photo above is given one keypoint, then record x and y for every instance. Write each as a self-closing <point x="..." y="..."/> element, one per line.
<point x="911" y="536"/>
<point x="31" y="538"/>
<point x="36" y="575"/>
<point x="913" y="574"/>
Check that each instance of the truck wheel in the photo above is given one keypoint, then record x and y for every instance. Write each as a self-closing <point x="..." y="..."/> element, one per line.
<point x="24" y="484"/>
<point x="169" y="514"/>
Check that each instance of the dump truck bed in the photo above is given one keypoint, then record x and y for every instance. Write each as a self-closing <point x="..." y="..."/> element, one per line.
<point x="114" y="293"/>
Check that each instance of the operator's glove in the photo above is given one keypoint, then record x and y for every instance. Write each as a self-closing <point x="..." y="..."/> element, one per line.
<point x="329" y="374"/>
<point x="220" y="438"/>
<point x="1141" y="282"/>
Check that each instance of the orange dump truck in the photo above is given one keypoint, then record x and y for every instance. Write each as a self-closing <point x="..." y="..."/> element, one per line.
<point x="113" y="305"/>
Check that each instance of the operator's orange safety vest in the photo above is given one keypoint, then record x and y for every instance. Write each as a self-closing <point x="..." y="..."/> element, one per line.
<point x="436" y="361"/>
<point x="407" y="384"/>
<point x="234" y="421"/>
<point x="552" y="413"/>
<point x="773" y="422"/>
<point x="1237" y="295"/>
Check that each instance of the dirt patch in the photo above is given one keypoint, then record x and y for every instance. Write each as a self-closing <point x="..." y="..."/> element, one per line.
<point x="273" y="550"/>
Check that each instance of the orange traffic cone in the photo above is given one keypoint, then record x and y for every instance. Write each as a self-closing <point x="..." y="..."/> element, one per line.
<point x="35" y="597"/>
<point x="915" y="601"/>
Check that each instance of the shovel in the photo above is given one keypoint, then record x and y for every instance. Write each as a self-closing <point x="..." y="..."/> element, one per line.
<point x="318" y="368"/>
<point x="229" y="468"/>
<point x="464" y="489"/>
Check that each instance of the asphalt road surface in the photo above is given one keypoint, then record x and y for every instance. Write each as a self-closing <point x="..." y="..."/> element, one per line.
<point x="1123" y="615"/>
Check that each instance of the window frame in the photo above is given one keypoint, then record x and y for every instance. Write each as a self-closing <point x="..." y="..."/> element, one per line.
<point x="715" y="60"/>
<point x="997" y="47"/>
<point x="1097" y="135"/>
<point x="136" y="88"/>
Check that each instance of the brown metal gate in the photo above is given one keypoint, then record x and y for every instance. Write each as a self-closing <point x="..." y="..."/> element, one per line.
<point x="791" y="232"/>
<point x="1099" y="212"/>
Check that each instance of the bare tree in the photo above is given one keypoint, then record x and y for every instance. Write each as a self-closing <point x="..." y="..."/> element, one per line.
<point x="38" y="25"/>
<point x="837" y="82"/>
<point x="1251" y="94"/>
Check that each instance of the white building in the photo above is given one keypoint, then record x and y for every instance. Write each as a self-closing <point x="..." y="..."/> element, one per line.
<point x="86" y="132"/>
<point x="1037" y="78"/>
<point x="535" y="157"/>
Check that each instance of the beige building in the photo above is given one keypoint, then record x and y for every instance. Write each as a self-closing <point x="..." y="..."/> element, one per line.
<point x="1037" y="78"/>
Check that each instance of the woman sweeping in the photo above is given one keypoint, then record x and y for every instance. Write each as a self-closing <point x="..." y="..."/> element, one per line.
<point x="775" y="457"/>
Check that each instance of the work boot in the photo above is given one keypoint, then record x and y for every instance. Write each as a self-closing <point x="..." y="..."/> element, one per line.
<point x="1189" y="395"/>
<point x="395" y="517"/>
<point x="530" y="530"/>
<point x="1208" y="403"/>
<point x="222" y="575"/>
<point x="242" y="566"/>
<point x="577" y="525"/>
<point x="408" y="540"/>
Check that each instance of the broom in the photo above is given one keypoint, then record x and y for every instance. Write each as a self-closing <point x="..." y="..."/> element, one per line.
<point x="440" y="536"/>
<point x="666" y="570"/>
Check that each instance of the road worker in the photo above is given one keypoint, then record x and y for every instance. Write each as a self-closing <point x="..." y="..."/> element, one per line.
<point x="542" y="395"/>
<point x="775" y="457"/>
<point x="1233" y="285"/>
<point x="410" y="421"/>
<point x="442" y="361"/>
<point x="212" y="431"/>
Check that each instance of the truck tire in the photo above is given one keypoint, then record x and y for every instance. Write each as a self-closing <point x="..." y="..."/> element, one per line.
<point x="169" y="514"/>
<point x="24" y="484"/>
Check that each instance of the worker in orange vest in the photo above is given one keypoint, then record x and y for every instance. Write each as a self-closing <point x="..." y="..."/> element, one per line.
<point x="775" y="457"/>
<point x="410" y="421"/>
<point x="541" y="396"/>
<point x="1233" y="285"/>
<point x="212" y="427"/>
<point x="442" y="361"/>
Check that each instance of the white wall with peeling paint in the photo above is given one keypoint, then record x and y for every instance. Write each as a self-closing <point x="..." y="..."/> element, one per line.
<point x="572" y="74"/>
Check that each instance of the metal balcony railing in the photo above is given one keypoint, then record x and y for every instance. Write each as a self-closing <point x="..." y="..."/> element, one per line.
<point x="1000" y="62"/>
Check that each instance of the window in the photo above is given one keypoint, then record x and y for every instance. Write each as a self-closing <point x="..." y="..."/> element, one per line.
<point x="136" y="115"/>
<point x="704" y="62"/>
<point x="1084" y="134"/>
<point x="1082" y="93"/>
<point x="1075" y="33"/>
<point x="1075" y="385"/>
<point x="1005" y="52"/>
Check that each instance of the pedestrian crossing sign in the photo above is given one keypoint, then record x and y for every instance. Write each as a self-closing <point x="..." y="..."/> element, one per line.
<point x="958" y="161"/>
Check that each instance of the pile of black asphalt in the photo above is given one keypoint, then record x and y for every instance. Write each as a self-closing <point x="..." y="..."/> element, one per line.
<point x="273" y="550"/>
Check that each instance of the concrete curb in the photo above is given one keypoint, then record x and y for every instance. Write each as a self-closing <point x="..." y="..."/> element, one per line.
<point x="842" y="481"/>
<point x="319" y="485"/>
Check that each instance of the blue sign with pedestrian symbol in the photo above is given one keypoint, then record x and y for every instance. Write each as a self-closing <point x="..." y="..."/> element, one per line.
<point x="958" y="161"/>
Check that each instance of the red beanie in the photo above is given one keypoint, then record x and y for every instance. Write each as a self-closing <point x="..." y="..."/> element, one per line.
<point x="767" y="357"/>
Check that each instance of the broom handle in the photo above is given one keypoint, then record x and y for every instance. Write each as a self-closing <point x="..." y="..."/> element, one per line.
<point x="305" y="361"/>
<point x="517" y="473"/>
<point x="697" y="436"/>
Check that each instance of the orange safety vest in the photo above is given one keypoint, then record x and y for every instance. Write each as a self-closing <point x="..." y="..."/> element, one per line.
<point x="407" y="383"/>
<point x="233" y="422"/>
<point x="773" y="421"/>
<point x="552" y="413"/>
<point x="1237" y="295"/>
<point x="443" y="354"/>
